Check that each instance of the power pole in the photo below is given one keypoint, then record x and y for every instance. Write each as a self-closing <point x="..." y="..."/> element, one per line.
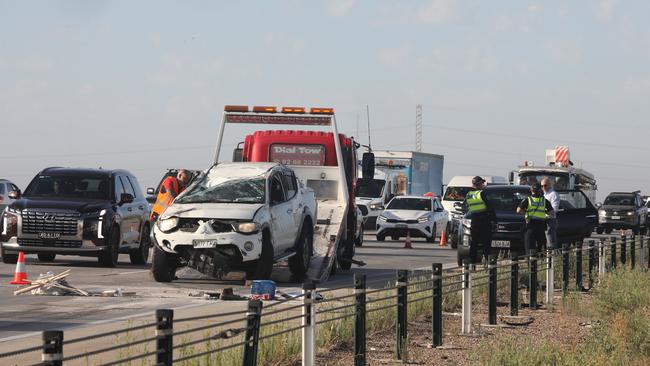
<point x="418" y="127"/>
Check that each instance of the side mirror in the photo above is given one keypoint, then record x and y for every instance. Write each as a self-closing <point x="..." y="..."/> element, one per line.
<point x="151" y="191"/>
<point x="368" y="165"/>
<point x="511" y="177"/>
<point x="14" y="195"/>
<point x="126" y="198"/>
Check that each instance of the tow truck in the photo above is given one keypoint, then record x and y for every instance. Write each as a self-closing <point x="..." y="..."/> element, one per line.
<point x="323" y="163"/>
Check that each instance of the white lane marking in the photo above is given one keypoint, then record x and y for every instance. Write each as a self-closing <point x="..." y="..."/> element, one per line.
<point x="97" y="322"/>
<point x="125" y="273"/>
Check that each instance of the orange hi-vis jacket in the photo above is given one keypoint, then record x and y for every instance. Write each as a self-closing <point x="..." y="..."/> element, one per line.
<point x="169" y="189"/>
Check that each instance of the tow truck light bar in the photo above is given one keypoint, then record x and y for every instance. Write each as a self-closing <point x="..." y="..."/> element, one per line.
<point x="298" y="110"/>
<point x="264" y="109"/>
<point x="322" y="111"/>
<point x="236" y="108"/>
<point x="287" y="116"/>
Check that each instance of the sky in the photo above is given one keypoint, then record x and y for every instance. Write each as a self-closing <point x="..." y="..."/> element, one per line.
<point x="140" y="85"/>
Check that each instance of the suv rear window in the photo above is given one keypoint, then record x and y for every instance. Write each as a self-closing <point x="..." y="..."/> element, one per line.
<point x="69" y="187"/>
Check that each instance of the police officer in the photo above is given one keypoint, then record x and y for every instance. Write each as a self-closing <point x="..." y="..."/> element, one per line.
<point x="536" y="209"/>
<point x="482" y="218"/>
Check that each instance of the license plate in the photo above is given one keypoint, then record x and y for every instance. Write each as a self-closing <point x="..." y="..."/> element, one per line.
<point x="616" y="217"/>
<point x="49" y="235"/>
<point x="401" y="226"/>
<point x="204" y="244"/>
<point x="500" y="244"/>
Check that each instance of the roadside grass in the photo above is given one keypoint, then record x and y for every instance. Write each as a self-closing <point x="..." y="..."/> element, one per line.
<point x="621" y="301"/>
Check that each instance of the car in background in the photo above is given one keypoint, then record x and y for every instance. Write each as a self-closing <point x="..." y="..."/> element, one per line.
<point x="417" y="216"/>
<point x="86" y="212"/>
<point x="623" y="210"/>
<point x="238" y="216"/>
<point x="577" y="218"/>
<point x="6" y="187"/>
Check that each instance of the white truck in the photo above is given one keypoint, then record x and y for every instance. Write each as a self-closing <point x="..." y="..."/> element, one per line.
<point x="418" y="173"/>
<point x="237" y="216"/>
<point x="331" y="232"/>
<point x="373" y="194"/>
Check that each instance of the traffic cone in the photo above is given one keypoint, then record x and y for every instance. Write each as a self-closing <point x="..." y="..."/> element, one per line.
<point x="443" y="238"/>
<point x="407" y="242"/>
<point x="20" y="274"/>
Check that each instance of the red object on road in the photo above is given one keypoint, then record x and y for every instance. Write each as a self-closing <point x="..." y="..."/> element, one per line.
<point x="20" y="274"/>
<point x="443" y="238"/>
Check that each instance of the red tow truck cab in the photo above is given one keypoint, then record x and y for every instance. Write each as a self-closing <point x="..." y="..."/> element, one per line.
<point x="313" y="148"/>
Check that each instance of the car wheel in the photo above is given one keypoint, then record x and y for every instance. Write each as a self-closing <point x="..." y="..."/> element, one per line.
<point x="8" y="258"/>
<point x="141" y="255"/>
<point x="108" y="258"/>
<point x="381" y="237"/>
<point x="432" y="239"/>
<point x="599" y="230"/>
<point x="394" y="237"/>
<point x="163" y="265"/>
<point x="359" y="240"/>
<point x="261" y="270"/>
<point x="299" y="263"/>
<point x="46" y="257"/>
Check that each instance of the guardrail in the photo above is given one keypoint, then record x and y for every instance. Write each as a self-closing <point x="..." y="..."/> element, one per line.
<point x="245" y="330"/>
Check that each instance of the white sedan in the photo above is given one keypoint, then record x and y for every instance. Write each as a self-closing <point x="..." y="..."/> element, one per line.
<point x="422" y="217"/>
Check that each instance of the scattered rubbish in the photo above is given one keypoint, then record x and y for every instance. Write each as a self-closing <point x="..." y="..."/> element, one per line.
<point x="51" y="284"/>
<point x="228" y="295"/>
<point x="196" y="294"/>
<point x="264" y="297"/>
<point x="264" y="287"/>
<point x="118" y="292"/>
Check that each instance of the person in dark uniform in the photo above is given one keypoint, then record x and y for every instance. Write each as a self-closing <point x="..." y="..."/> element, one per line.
<point x="536" y="209"/>
<point x="482" y="218"/>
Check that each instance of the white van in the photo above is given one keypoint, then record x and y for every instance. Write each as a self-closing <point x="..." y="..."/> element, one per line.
<point x="373" y="194"/>
<point x="459" y="185"/>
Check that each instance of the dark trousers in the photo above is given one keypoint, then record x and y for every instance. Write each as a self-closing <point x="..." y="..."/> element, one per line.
<point x="481" y="232"/>
<point x="535" y="238"/>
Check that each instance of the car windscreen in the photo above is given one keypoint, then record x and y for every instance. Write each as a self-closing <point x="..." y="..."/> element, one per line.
<point x="559" y="181"/>
<point x="456" y="193"/>
<point x="417" y="204"/>
<point x="505" y="200"/>
<point x="370" y="188"/>
<point x="619" y="200"/>
<point x="69" y="187"/>
<point x="244" y="190"/>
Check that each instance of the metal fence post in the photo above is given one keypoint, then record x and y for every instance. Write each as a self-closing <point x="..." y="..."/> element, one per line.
<point x="165" y="335"/>
<point x="613" y="243"/>
<point x="633" y="251"/>
<point x="647" y="242"/>
<point x="52" y="348"/>
<point x="623" y="249"/>
<point x="641" y="251"/>
<point x="436" y="332"/>
<point x="579" y="247"/>
<point x="467" y="300"/>
<point x="492" y="291"/>
<point x="402" y="313"/>
<point x="360" y="320"/>
<point x="532" y="281"/>
<point x="601" y="259"/>
<point x="592" y="261"/>
<point x="565" y="269"/>
<point x="253" y="318"/>
<point x="308" y="324"/>
<point x="550" y="278"/>
<point x="514" y="287"/>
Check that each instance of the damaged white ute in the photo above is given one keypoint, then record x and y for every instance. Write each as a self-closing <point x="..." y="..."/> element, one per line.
<point x="237" y="217"/>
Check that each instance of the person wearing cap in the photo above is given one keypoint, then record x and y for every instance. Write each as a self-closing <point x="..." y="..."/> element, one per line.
<point x="536" y="209"/>
<point x="554" y="198"/>
<point x="482" y="218"/>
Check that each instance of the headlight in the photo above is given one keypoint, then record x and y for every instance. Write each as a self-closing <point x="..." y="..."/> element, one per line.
<point x="602" y="213"/>
<point x="630" y="213"/>
<point x="382" y="218"/>
<point x="168" y="224"/>
<point x="377" y="206"/>
<point x="246" y="227"/>
<point x="423" y="219"/>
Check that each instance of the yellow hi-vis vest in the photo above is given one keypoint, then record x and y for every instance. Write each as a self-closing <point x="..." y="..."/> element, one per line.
<point x="475" y="203"/>
<point x="536" y="208"/>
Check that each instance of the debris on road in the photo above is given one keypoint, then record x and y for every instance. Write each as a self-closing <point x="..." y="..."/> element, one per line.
<point x="228" y="295"/>
<point x="51" y="284"/>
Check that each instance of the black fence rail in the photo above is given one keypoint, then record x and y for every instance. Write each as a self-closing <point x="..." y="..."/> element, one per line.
<point x="234" y="337"/>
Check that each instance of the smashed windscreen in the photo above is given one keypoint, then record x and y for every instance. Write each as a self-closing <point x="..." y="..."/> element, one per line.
<point x="243" y="190"/>
<point x="416" y="204"/>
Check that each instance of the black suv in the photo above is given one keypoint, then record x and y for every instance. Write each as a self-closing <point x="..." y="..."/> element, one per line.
<point x="623" y="210"/>
<point x="87" y="212"/>
<point x="576" y="218"/>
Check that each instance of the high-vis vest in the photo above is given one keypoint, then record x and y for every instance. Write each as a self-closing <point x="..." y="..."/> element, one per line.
<point x="536" y="208"/>
<point x="475" y="203"/>
<point x="165" y="199"/>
